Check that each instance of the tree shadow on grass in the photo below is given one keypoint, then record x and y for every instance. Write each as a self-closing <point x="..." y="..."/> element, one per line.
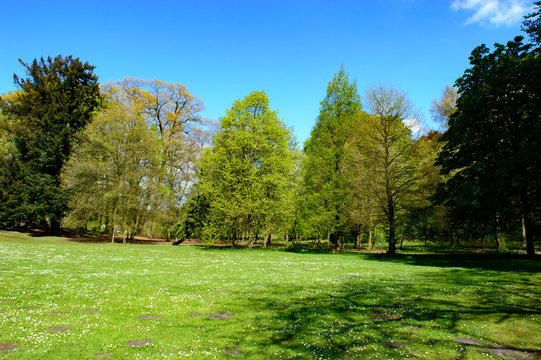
<point x="358" y="318"/>
<point x="492" y="262"/>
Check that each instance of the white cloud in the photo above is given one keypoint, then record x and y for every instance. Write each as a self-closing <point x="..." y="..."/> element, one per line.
<point x="414" y="125"/>
<point x="494" y="12"/>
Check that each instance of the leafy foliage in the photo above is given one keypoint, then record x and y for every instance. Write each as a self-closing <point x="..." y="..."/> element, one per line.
<point x="57" y="99"/>
<point x="325" y="150"/>
<point x="491" y="150"/>
<point x="245" y="174"/>
<point x="532" y="24"/>
<point x="384" y="152"/>
<point x="110" y="177"/>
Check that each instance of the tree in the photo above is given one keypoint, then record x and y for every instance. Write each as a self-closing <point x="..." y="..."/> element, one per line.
<point x="245" y="175"/>
<point x="422" y="215"/>
<point x="532" y="24"/>
<point x="385" y="152"/>
<point x="491" y="149"/>
<point x="110" y="176"/>
<point x="174" y="114"/>
<point x="326" y="156"/>
<point x="445" y="107"/>
<point x="57" y="99"/>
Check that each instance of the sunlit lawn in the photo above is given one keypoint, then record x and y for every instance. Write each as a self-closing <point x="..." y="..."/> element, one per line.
<point x="283" y="305"/>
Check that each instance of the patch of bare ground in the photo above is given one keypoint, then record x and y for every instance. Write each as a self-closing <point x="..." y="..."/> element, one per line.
<point x="59" y="328"/>
<point x="501" y="350"/>
<point x="104" y="355"/>
<point x="220" y="316"/>
<point x="149" y="317"/>
<point x="8" y="346"/>
<point x="137" y="343"/>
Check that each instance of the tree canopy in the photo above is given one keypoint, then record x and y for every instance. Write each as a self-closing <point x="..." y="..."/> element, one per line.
<point x="56" y="100"/>
<point x="491" y="149"/>
<point x="245" y="174"/>
<point x="326" y="154"/>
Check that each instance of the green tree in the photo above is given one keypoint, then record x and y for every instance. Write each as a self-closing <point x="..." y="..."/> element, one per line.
<point x="110" y="176"/>
<point x="174" y="114"/>
<point x="532" y="24"/>
<point x="385" y="151"/>
<point x="444" y="107"/>
<point x="491" y="149"/>
<point x="245" y="174"/>
<point x="325" y="181"/>
<point x="57" y="99"/>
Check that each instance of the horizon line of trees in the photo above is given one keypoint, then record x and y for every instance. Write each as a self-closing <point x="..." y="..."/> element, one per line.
<point x="137" y="156"/>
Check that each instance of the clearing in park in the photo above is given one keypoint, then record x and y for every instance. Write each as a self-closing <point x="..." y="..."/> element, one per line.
<point x="66" y="300"/>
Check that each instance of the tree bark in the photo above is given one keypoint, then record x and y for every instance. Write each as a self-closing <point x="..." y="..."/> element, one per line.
<point x="528" y="228"/>
<point x="267" y="240"/>
<point x="359" y="239"/>
<point x="523" y="233"/>
<point x="251" y="238"/>
<point x="392" y="244"/>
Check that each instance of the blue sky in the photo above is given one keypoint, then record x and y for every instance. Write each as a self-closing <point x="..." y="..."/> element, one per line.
<point x="290" y="49"/>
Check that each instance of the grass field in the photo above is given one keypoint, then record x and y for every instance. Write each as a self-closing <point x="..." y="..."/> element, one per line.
<point x="68" y="300"/>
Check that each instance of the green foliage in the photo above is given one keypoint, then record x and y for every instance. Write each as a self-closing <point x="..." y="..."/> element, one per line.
<point x="491" y="149"/>
<point x="443" y="108"/>
<point x="56" y="100"/>
<point x="110" y="175"/>
<point x="245" y="175"/>
<point x="532" y="24"/>
<point x="193" y="221"/>
<point x="383" y="154"/>
<point x="326" y="155"/>
<point x="173" y="114"/>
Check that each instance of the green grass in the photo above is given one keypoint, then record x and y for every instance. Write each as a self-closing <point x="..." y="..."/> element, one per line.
<point x="285" y="305"/>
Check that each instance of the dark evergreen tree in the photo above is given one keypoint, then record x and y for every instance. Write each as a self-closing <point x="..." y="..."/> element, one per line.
<point x="491" y="153"/>
<point x="532" y="24"/>
<point x="57" y="99"/>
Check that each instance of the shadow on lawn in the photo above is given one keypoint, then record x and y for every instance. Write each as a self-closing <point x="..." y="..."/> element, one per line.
<point x="357" y="318"/>
<point x="492" y="262"/>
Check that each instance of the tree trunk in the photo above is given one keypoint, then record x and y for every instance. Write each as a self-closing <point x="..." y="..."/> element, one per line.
<point x="528" y="226"/>
<point x="267" y="240"/>
<point x="523" y="233"/>
<point x="359" y="239"/>
<point x="425" y="225"/>
<point x="329" y="238"/>
<point x="251" y="238"/>
<point x="335" y="241"/>
<point x="500" y="243"/>
<point x="369" y="242"/>
<point x="392" y="244"/>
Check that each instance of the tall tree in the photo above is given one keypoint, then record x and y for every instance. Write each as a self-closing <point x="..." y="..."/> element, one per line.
<point x="245" y="175"/>
<point x="386" y="151"/>
<point x="110" y="176"/>
<point x="56" y="100"/>
<point x="174" y="113"/>
<point x="326" y="156"/>
<point x="444" y="107"/>
<point x="532" y="24"/>
<point x="491" y="151"/>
